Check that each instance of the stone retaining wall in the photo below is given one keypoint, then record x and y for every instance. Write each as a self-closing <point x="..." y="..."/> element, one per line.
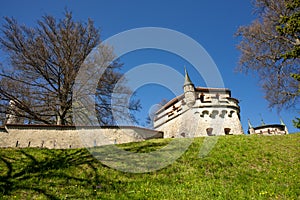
<point x="62" y="137"/>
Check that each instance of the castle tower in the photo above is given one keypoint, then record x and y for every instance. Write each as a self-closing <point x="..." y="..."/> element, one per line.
<point x="189" y="90"/>
<point x="199" y="111"/>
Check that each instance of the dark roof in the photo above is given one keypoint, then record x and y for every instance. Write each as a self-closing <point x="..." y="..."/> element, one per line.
<point x="234" y="99"/>
<point x="269" y="126"/>
<point x="220" y="90"/>
<point x="72" y="126"/>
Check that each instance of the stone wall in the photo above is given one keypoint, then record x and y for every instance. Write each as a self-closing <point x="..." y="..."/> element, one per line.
<point x="197" y="122"/>
<point x="61" y="137"/>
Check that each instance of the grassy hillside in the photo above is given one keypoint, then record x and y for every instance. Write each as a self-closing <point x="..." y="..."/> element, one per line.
<point x="238" y="167"/>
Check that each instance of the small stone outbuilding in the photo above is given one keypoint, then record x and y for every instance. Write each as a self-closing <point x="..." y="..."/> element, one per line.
<point x="268" y="129"/>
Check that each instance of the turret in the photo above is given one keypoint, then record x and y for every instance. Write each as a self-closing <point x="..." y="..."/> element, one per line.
<point x="250" y="128"/>
<point x="262" y="121"/>
<point x="285" y="128"/>
<point x="189" y="90"/>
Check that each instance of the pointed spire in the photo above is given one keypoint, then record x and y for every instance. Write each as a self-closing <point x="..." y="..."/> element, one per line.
<point x="187" y="80"/>
<point x="249" y="124"/>
<point x="281" y="122"/>
<point x="262" y="121"/>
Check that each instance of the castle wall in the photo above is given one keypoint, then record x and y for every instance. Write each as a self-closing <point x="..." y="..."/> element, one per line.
<point x="200" y="122"/>
<point x="61" y="137"/>
<point x="220" y="121"/>
<point x="183" y="125"/>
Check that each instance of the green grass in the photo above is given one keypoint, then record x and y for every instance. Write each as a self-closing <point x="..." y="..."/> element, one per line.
<point x="238" y="167"/>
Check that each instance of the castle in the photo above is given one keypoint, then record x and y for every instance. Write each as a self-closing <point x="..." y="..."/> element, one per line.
<point x="199" y="112"/>
<point x="268" y="129"/>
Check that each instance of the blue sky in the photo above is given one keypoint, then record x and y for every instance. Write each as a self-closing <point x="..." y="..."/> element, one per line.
<point x="212" y="23"/>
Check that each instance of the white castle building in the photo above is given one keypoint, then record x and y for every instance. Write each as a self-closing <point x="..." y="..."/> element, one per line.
<point x="268" y="129"/>
<point x="199" y="112"/>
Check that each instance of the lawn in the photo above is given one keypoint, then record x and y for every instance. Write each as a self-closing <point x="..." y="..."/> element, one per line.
<point x="238" y="167"/>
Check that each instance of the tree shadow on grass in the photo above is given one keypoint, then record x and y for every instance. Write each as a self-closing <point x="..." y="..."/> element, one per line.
<point x="144" y="147"/>
<point x="141" y="157"/>
<point x="22" y="170"/>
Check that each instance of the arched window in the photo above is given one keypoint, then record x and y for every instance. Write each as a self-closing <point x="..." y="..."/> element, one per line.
<point x="227" y="131"/>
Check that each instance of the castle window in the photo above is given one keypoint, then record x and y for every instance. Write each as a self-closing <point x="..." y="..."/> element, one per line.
<point x="205" y="112"/>
<point x="214" y="113"/>
<point x="230" y="114"/>
<point x="182" y="102"/>
<point x="202" y="97"/>
<point x="227" y="131"/>
<point x="174" y="108"/>
<point x="223" y="113"/>
<point x="170" y="114"/>
<point x="209" y="131"/>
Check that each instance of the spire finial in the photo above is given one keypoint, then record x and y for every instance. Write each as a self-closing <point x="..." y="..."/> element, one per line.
<point x="281" y="122"/>
<point x="262" y="120"/>
<point x="249" y="124"/>
<point x="187" y="80"/>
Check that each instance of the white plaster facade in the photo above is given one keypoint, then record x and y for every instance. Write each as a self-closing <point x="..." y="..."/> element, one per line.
<point x="268" y="129"/>
<point x="199" y="112"/>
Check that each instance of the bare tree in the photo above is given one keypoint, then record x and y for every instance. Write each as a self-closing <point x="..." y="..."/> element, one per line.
<point x="262" y="48"/>
<point x="151" y="115"/>
<point x="43" y="64"/>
